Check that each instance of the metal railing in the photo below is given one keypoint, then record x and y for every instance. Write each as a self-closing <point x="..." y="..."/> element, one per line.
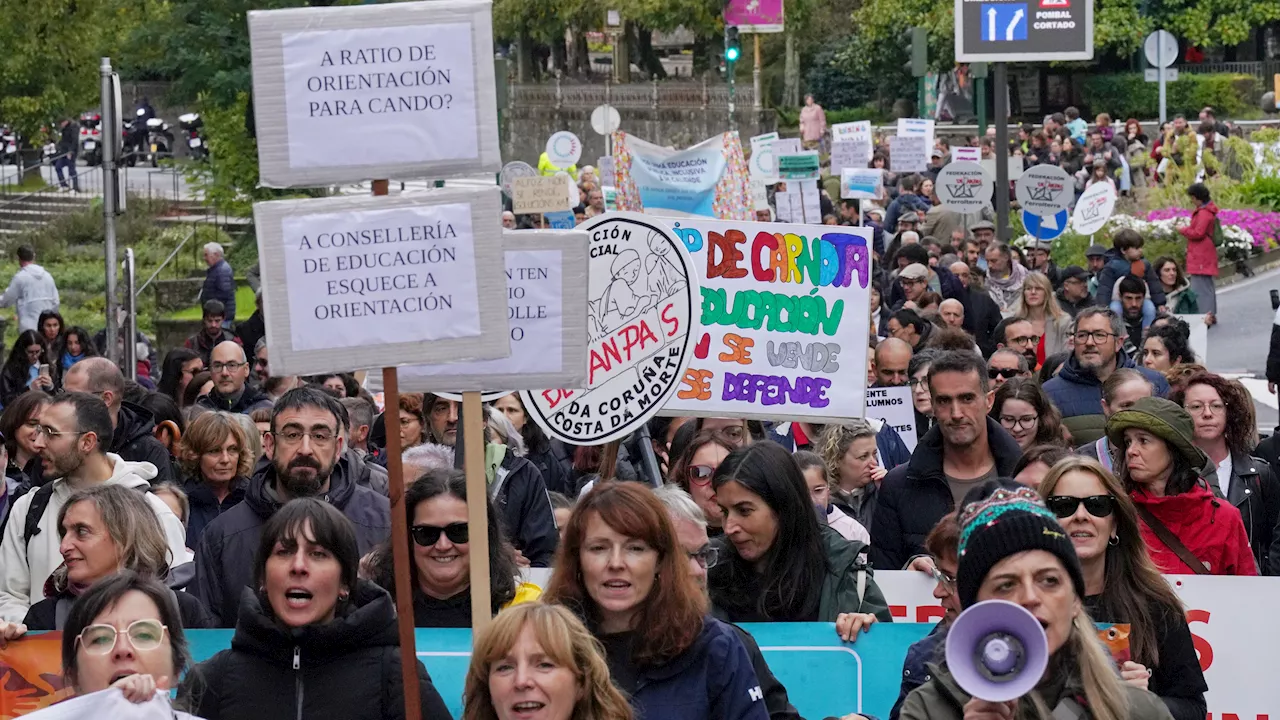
<point x="654" y="94"/>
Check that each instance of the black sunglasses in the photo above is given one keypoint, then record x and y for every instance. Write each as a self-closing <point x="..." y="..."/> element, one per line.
<point x="428" y="535"/>
<point x="1006" y="373"/>
<point x="1064" y="506"/>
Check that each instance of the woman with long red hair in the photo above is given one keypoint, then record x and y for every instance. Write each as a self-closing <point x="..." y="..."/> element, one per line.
<point x="622" y="570"/>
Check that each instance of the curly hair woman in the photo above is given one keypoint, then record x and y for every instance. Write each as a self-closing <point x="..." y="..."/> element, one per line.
<point x="1023" y="408"/>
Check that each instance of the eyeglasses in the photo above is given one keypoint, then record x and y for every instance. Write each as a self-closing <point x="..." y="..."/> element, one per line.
<point x="917" y="382"/>
<point x="1064" y="506"/>
<point x="1097" y="336"/>
<point x="1013" y="423"/>
<point x="1026" y="340"/>
<point x="226" y="367"/>
<point x="54" y="432"/>
<point x="700" y="474"/>
<point x="321" y="438"/>
<point x="428" y="535"/>
<point x="101" y="639"/>
<point x="1006" y="373"/>
<point x="707" y="557"/>
<point x="942" y="577"/>
<point x="1214" y="408"/>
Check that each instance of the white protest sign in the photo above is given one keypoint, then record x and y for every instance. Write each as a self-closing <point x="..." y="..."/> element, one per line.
<point x="847" y="154"/>
<point x="790" y="206"/>
<point x="1013" y="164"/>
<point x="763" y="165"/>
<point x="759" y="195"/>
<point x="344" y="94"/>
<point x="859" y="131"/>
<point x="606" y="170"/>
<point x="861" y="183"/>
<point x="563" y="149"/>
<point x="908" y="153"/>
<point x="783" y="322"/>
<point x="511" y="171"/>
<point x="811" y="199"/>
<point x="1199" y="340"/>
<point x="640" y="303"/>
<point x="1094" y="208"/>
<point x="963" y="187"/>
<point x="894" y="406"/>
<point x="964" y="153"/>
<point x="917" y="127"/>
<point x="786" y="146"/>
<point x="1045" y="190"/>
<point x="1230" y="619"/>
<point x="546" y="297"/>
<point x="110" y="703"/>
<point x="540" y="194"/>
<point x="357" y="282"/>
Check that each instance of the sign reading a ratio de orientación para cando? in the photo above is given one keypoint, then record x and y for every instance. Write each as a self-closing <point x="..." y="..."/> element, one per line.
<point x="380" y="282"/>
<point x="374" y="91"/>
<point x="1023" y="30"/>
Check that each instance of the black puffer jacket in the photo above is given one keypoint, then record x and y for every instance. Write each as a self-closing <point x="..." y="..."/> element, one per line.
<point x="250" y="399"/>
<point x="224" y="558"/>
<point x="521" y="498"/>
<point x="348" y="668"/>
<point x="915" y="496"/>
<point x="133" y="440"/>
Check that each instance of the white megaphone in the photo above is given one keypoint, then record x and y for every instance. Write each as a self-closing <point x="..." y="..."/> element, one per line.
<point x="997" y="651"/>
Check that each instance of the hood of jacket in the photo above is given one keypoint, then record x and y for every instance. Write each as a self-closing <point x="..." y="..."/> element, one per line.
<point x="261" y="498"/>
<point x="39" y="273"/>
<point x="1185" y="513"/>
<point x="368" y="621"/>
<point x="928" y="463"/>
<point x="133" y="422"/>
<point x="133" y="475"/>
<point x="1072" y="371"/>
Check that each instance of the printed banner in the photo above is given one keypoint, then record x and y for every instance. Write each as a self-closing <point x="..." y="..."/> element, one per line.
<point x="917" y="127"/>
<point x="709" y="179"/>
<point x="782" y="331"/>
<point x="861" y="183"/>
<point x="755" y="16"/>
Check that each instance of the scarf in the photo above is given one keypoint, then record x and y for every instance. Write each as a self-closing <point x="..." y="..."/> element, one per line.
<point x="68" y="359"/>
<point x="1005" y="291"/>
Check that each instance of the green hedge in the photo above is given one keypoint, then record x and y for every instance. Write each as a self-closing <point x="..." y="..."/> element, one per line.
<point x="1129" y="95"/>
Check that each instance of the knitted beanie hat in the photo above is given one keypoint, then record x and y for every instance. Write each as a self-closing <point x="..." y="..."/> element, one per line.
<point x="1007" y="522"/>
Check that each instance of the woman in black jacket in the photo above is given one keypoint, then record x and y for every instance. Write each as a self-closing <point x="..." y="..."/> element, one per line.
<point x="1122" y="584"/>
<point x="22" y="370"/>
<point x="19" y="425"/>
<point x="312" y="641"/>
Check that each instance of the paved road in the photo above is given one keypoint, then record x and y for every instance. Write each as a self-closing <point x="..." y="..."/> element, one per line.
<point x="166" y="183"/>
<point x="1239" y="343"/>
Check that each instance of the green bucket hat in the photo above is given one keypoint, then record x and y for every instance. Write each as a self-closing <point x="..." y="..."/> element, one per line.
<point x="1163" y="418"/>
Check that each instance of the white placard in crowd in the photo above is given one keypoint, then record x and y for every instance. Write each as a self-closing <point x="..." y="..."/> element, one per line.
<point x="917" y="127"/>
<point x="908" y="153"/>
<point x="849" y="154"/>
<point x="963" y="187"/>
<point x="344" y="94"/>
<point x="964" y="153"/>
<point x="1199" y="339"/>
<point x="859" y="131"/>
<point x="763" y="165"/>
<point x="606" y="170"/>
<point x="811" y="199"/>
<point x="759" y="195"/>
<point x="1045" y="190"/>
<point x="861" y="183"/>
<point x="511" y="171"/>
<point x="640" y="303"/>
<point x="790" y="207"/>
<point x="894" y="406"/>
<point x="563" y="149"/>
<point x="541" y="194"/>
<point x="786" y="146"/>
<point x="1094" y="208"/>
<point x="1015" y="166"/>
<point x="546" y="313"/>
<point x="359" y="282"/>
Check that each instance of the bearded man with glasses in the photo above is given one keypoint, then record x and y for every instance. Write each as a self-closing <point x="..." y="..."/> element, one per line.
<point x="1098" y="334"/>
<point x="303" y="447"/>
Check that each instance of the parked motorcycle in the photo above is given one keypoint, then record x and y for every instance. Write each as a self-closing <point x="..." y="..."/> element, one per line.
<point x="191" y="124"/>
<point x="91" y="138"/>
<point x="159" y="141"/>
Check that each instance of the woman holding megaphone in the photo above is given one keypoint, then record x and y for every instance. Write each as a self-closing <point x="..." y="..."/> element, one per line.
<point x="1012" y="549"/>
<point x="1122" y="584"/>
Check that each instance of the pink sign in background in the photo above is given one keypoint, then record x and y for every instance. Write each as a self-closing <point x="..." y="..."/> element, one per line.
<point x="754" y="16"/>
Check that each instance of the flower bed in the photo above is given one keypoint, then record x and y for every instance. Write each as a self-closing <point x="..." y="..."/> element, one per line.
<point x="1245" y="229"/>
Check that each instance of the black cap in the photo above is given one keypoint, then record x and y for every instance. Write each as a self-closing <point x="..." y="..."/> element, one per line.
<point x="1095" y="251"/>
<point x="1073" y="272"/>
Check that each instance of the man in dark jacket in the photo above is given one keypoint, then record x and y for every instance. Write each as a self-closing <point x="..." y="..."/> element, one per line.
<point x="981" y="314"/>
<point x="133" y="437"/>
<point x="254" y="329"/>
<point x="304" y="448"/>
<point x="231" y="389"/>
<point x="907" y="200"/>
<point x="1074" y="295"/>
<point x="937" y="279"/>
<point x="68" y="148"/>
<point x="964" y="449"/>
<point x="219" y="282"/>
<point x="1077" y="390"/>
<point x="365" y="471"/>
<point x="517" y="488"/>
<point x="212" y="333"/>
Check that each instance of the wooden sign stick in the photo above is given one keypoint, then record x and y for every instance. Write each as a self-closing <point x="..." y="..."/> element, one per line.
<point x="477" y="518"/>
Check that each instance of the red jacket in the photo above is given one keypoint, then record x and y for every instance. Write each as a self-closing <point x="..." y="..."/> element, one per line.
<point x="1202" y="256"/>
<point x="1210" y="527"/>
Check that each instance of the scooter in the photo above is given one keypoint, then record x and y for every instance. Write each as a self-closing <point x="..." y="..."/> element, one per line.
<point x="91" y="138"/>
<point x="159" y="140"/>
<point x="191" y="124"/>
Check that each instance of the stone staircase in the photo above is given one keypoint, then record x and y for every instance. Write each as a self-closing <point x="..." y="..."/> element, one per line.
<point x="27" y="212"/>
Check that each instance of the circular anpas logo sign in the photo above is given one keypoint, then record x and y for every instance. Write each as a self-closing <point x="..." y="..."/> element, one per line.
<point x="640" y="304"/>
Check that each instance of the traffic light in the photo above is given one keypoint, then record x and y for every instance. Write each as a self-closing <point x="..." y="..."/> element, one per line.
<point x="916" y="40"/>
<point x="732" y="49"/>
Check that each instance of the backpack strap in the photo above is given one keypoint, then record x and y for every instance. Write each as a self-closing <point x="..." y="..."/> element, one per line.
<point x="35" y="511"/>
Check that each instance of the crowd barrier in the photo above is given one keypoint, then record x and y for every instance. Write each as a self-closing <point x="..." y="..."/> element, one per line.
<point x="1232" y="622"/>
